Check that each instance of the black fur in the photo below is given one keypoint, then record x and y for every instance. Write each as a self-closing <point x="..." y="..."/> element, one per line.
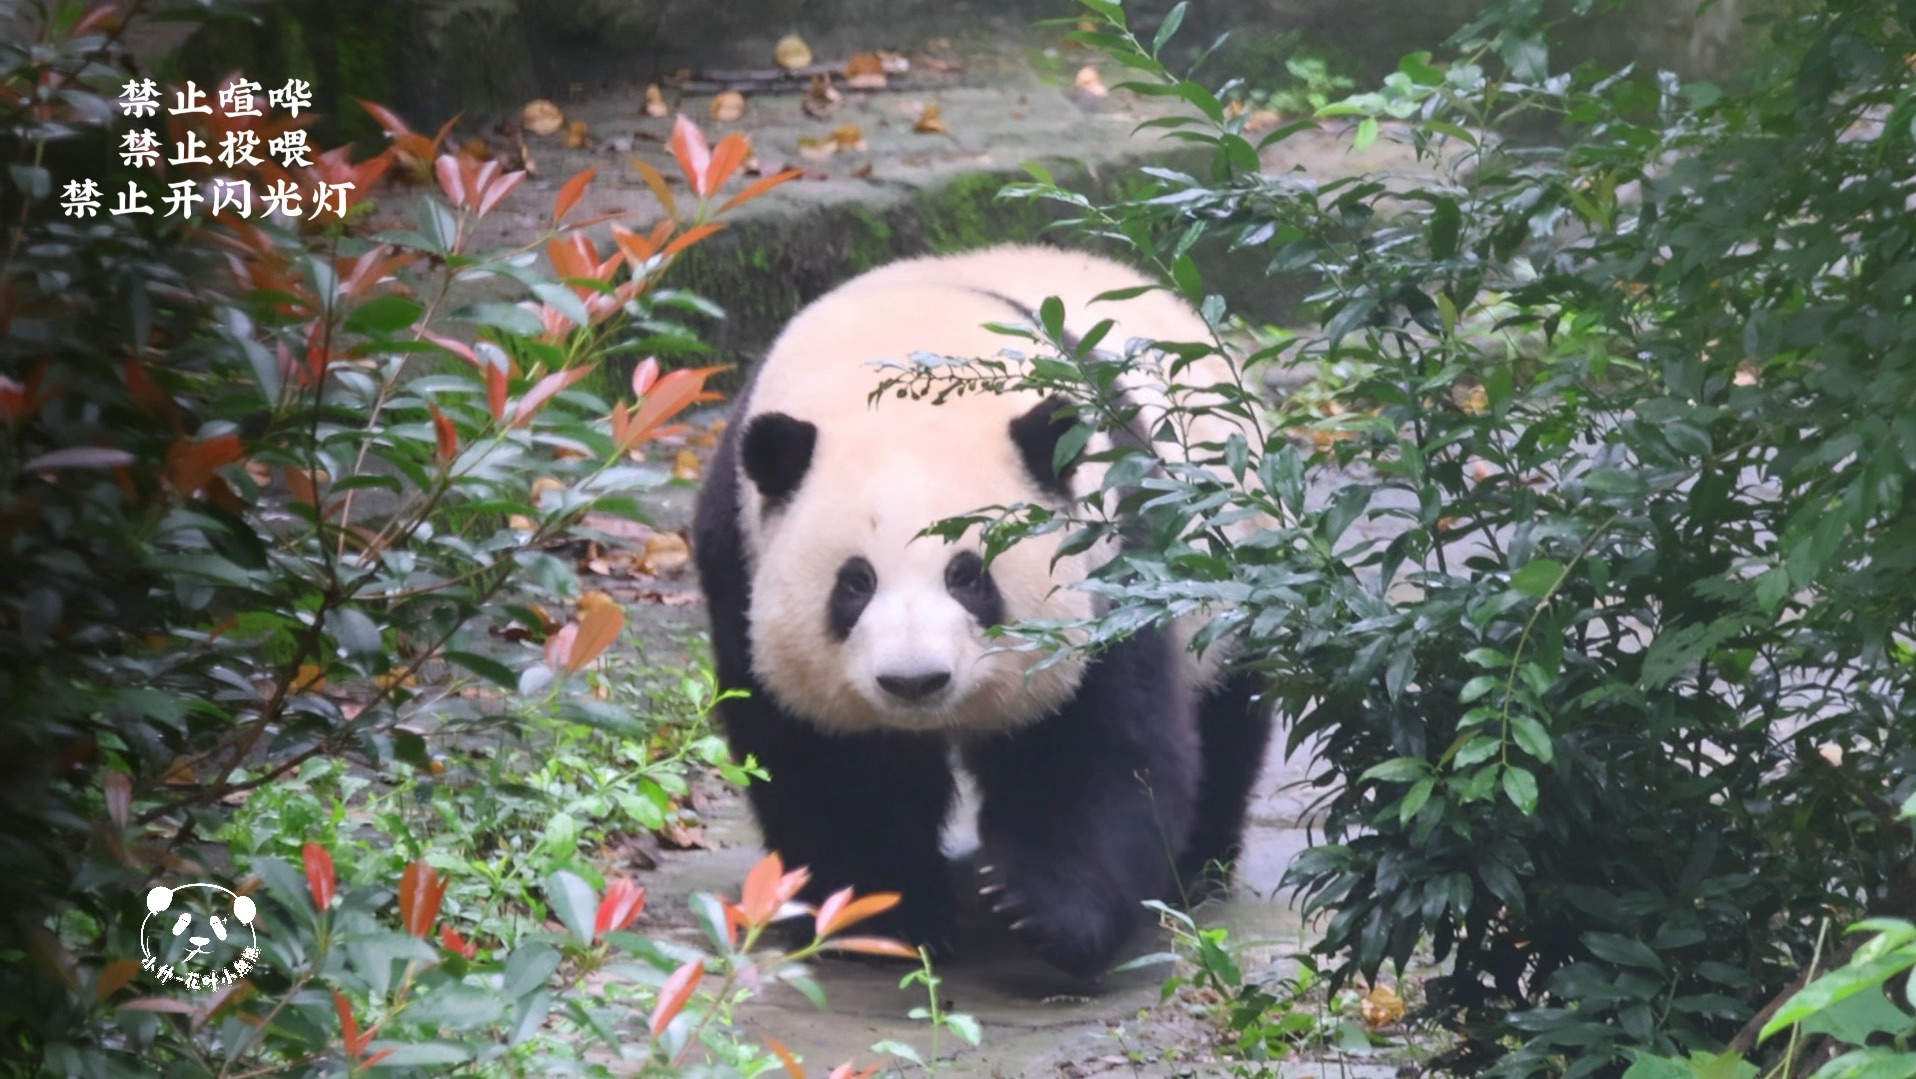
<point x="968" y="582"/>
<point x="777" y="453"/>
<point x="1120" y="797"/>
<point x="1036" y="434"/>
<point x="1234" y="729"/>
<point x="1083" y="813"/>
<point x="856" y="583"/>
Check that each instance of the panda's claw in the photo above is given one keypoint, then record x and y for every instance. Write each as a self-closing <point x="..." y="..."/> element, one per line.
<point x="991" y="889"/>
<point x="1018" y="926"/>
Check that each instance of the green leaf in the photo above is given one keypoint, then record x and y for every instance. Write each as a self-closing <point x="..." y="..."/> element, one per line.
<point x="455" y="1006"/>
<point x="1366" y="134"/>
<point x="1520" y="786"/>
<point x="1538" y="577"/>
<point x="1623" y="951"/>
<point x="384" y="316"/>
<point x="575" y="902"/>
<point x="530" y="967"/>
<point x="531" y="1016"/>
<point x="1400" y="770"/>
<point x="964" y="1025"/>
<point x="404" y="1055"/>
<point x="1415" y="799"/>
<point x="1531" y="735"/>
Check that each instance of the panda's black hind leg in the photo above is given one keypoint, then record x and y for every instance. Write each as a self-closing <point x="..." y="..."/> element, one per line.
<point x="1082" y="811"/>
<point x="1234" y="731"/>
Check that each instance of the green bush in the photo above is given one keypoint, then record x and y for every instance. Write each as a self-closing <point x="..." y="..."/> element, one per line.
<point x="1589" y="586"/>
<point x="283" y="512"/>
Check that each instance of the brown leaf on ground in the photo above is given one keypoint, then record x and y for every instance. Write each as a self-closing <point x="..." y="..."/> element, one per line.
<point x="667" y="599"/>
<point x="865" y="71"/>
<point x="664" y="553"/>
<point x="655" y="105"/>
<point x="862" y="172"/>
<point x="850" y="137"/>
<point x="676" y="836"/>
<point x="822" y="99"/>
<point x="812" y="149"/>
<point x="1091" y="82"/>
<point x="1381" y="1007"/>
<point x="728" y="106"/>
<point x="576" y="135"/>
<point x="894" y="63"/>
<point x="541" y="117"/>
<point x="930" y="122"/>
<point x="617" y="527"/>
<point x="477" y="148"/>
<point x="686" y="466"/>
<point x="709" y="437"/>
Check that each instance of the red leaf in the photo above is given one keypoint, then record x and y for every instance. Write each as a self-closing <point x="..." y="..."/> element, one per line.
<point x="570" y="194"/>
<point x="448" y="436"/>
<point x="785" y="1057"/>
<point x="622" y="903"/>
<point x="190" y="465"/>
<point x="452" y="178"/>
<point x="349" y="1027"/>
<point x="759" y="187"/>
<point x="99" y="17"/>
<point x="644" y="375"/>
<point x="119" y="797"/>
<point x="320" y="879"/>
<point x="694" y="157"/>
<point x="677" y="990"/>
<point x="872" y="946"/>
<point x="114" y="977"/>
<point x="388" y="120"/>
<point x="159" y="1004"/>
<point x="844" y="1071"/>
<point x="670" y="396"/>
<point x="497" y="190"/>
<point x="450" y="940"/>
<point x="496" y="390"/>
<point x="689" y="237"/>
<point x="457" y="348"/>
<point x="420" y="893"/>
<point x="851" y="911"/>
<point x="661" y="190"/>
<point x="538" y="395"/>
<point x="375" y="1058"/>
<point x="727" y="156"/>
<point x="559" y="646"/>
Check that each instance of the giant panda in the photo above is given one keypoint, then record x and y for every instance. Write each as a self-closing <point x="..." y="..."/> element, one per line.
<point x="862" y="645"/>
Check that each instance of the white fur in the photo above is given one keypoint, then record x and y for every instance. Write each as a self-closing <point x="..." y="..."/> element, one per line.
<point x="881" y="472"/>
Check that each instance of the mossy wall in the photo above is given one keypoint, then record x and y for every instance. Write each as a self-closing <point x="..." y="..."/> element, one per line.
<point x="761" y="271"/>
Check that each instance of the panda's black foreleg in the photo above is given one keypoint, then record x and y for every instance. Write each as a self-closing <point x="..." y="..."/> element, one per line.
<point x="1234" y="728"/>
<point x="1083" y="813"/>
<point x="862" y="811"/>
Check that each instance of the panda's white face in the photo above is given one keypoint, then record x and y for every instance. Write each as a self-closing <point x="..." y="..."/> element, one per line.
<point x="860" y="623"/>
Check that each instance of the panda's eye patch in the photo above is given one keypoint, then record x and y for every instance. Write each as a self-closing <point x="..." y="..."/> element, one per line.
<point x="965" y="572"/>
<point x="973" y="588"/>
<point x="850" y="593"/>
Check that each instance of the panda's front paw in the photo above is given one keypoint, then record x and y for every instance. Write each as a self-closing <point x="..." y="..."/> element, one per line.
<point x="1062" y="925"/>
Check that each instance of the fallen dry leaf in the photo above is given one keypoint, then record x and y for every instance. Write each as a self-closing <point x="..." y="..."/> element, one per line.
<point x="813" y="149"/>
<point x="822" y="99"/>
<point x="1091" y="82"/>
<point x="1381" y="1007"/>
<point x="668" y="599"/>
<point x="541" y="117"/>
<point x="894" y="63"/>
<point x="655" y="105"/>
<point x="478" y="149"/>
<point x="850" y="137"/>
<point x="686" y="466"/>
<point x="792" y="53"/>
<point x="865" y="71"/>
<point x="592" y="601"/>
<point x="665" y="552"/>
<point x="1477" y="402"/>
<point x="728" y="106"/>
<point x="1263" y="120"/>
<point x="1232" y="109"/>
<point x="575" y="135"/>
<point x="683" y="837"/>
<point x="929" y="122"/>
<point x="862" y="172"/>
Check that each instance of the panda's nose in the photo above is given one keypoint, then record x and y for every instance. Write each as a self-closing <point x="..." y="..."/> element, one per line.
<point x="914" y="687"/>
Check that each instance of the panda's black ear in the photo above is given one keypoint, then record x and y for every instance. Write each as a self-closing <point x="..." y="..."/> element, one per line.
<point x="777" y="452"/>
<point x="1037" y="434"/>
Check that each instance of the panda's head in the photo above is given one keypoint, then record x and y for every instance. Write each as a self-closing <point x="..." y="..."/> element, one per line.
<point x="858" y="621"/>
